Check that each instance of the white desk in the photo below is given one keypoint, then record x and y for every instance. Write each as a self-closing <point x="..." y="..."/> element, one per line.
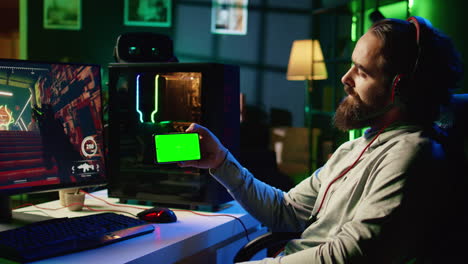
<point x="192" y="239"/>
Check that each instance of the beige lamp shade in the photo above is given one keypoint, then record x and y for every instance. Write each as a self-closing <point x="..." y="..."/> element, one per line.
<point x="306" y="61"/>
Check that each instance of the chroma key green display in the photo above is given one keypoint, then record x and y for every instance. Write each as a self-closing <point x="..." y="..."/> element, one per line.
<point x="175" y="147"/>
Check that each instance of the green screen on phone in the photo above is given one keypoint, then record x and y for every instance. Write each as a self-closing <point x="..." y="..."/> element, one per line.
<point x="176" y="147"/>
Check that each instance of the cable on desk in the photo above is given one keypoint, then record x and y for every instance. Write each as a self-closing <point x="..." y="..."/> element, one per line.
<point x="236" y="218"/>
<point x="129" y="206"/>
<point x="77" y="203"/>
<point x="112" y="204"/>
<point x="181" y="210"/>
<point x="37" y="211"/>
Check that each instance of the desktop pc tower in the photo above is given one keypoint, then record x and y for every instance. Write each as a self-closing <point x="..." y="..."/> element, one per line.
<point x="156" y="98"/>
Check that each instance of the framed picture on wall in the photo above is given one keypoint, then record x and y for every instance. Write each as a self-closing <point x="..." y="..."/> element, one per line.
<point x="149" y="13"/>
<point x="229" y="17"/>
<point x="62" y="14"/>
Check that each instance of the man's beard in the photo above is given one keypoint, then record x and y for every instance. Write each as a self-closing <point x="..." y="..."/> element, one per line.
<point x="353" y="113"/>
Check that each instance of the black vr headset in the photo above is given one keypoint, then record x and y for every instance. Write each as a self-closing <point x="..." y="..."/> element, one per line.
<point x="144" y="47"/>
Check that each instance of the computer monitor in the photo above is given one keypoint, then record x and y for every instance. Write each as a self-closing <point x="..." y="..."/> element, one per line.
<point x="51" y="129"/>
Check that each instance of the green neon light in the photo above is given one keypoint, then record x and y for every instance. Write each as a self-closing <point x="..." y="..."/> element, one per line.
<point x="23" y="29"/>
<point x="395" y="10"/>
<point x="138" y="98"/>
<point x="156" y="95"/>
<point x="352" y="134"/>
<point x="355" y="133"/>
<point x="354" y="29"/>
<point x="410" y="4"/>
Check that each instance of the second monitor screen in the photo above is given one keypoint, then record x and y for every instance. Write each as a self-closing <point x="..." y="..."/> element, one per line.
<point x="50" y="125"/>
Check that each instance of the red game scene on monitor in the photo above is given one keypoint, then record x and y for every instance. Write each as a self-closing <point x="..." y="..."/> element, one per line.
<point x="50" y="126"/>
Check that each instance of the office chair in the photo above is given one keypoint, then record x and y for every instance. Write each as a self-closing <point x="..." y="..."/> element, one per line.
<point x="273" y="242"/>
<point x="449" y="227"/>
<point x="454" y="120"/>
<point x="454" y="125"/>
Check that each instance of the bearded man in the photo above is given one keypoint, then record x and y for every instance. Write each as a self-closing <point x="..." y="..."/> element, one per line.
<point x="376" y="199"/>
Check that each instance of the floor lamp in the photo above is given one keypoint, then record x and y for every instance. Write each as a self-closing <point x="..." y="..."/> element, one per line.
<point x="306" y="63"/>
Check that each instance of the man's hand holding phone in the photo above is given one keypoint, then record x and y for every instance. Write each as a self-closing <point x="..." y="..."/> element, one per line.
<point x="213" y="152"/>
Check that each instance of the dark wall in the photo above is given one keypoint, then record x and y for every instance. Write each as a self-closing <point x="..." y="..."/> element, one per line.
<point x="102" y="23"/>
<point x="262" y="53"/>
<point x="448" y="16"/>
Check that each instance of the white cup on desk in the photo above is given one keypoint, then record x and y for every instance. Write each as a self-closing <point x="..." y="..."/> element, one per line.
<point x="72" y="198"/>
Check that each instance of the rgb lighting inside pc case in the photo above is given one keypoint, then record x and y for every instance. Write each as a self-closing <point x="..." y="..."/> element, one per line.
<point x="159" y="98"/>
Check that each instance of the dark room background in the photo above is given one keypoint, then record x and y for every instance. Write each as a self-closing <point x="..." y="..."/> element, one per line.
<point x="262" y="53"/>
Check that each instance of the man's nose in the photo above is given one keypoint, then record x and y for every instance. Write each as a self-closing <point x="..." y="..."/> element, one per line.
<point x="347" y="80"/>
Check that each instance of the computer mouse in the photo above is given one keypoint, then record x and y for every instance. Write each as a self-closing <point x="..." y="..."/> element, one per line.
<point x="157" y="215"/>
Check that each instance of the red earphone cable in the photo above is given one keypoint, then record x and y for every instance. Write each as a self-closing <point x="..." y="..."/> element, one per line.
<point x="350" y="167"/>
<point x="395" y="82"/>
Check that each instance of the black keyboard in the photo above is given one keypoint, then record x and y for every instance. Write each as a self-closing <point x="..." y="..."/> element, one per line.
<point x="60" y="236"/>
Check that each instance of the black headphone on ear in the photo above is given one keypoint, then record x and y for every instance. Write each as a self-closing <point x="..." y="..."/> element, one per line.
<point x="421" y="25"/>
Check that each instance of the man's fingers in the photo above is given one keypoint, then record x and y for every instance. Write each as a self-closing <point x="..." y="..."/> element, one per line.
<point x="192" y="128"/>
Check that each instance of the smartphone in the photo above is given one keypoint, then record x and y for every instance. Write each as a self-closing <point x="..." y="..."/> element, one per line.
<point x="175" y="147"/>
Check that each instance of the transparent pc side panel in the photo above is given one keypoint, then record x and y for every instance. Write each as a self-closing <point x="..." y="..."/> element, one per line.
<point x="152" y="103"/>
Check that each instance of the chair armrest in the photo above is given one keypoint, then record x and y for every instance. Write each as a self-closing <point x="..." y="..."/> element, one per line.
<point x="272" y="241"/>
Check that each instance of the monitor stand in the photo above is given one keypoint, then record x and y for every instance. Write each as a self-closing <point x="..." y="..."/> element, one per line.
<point x="10" y="219"/>
<point x="5" y="209"/>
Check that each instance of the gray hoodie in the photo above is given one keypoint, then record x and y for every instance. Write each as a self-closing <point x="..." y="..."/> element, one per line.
<point x="375" y="213"/>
